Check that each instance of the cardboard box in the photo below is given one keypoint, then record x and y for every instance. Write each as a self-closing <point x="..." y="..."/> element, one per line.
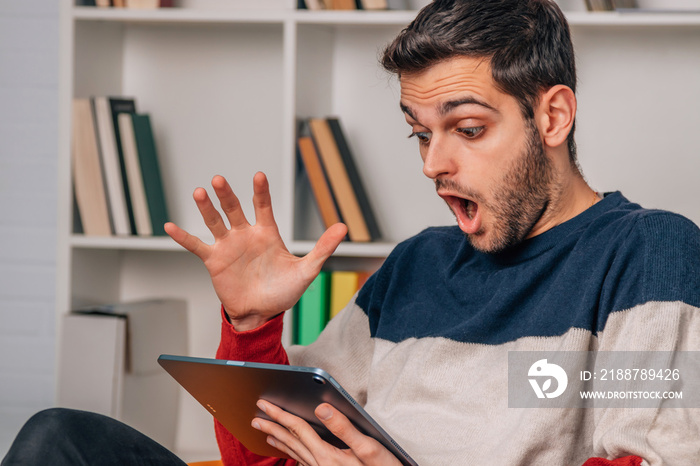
<point x="108" y="363"/>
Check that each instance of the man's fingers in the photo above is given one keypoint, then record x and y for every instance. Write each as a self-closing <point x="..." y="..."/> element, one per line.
<point x="277" y="443"/>
<point x="326" y="244"/>
<point x="366" y="449"/>
<point x="229" y="203"/>
<point x="337" y="423"/>
<point x="210" y="215"/>
<point x="187" y="241"/>
<point x="274" y="433"/>
<point x="262" y="202"/>
<point x="290" y="433"/>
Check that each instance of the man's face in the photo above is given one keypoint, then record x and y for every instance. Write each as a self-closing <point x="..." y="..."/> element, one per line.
<point x="487" y="161"/>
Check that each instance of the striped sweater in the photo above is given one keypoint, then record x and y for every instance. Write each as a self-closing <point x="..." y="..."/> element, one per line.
<point x="424" y="345"/>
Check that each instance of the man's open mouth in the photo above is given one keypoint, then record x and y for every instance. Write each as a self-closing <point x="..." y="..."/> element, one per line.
<point x="466" y="211"/>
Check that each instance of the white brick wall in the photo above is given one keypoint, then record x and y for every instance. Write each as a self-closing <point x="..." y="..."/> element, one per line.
<point x="28" y="154"/>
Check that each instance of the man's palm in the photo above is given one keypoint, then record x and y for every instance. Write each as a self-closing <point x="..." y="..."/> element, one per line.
<point x="253" y="273"/>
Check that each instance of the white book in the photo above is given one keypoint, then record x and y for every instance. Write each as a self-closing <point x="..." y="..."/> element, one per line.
<point x="111" y="167"/>
<point x="142" y="216"/>
<point x="88" y="182"/>
<point x="315" y="5"/>
<point x="375" y="4"/>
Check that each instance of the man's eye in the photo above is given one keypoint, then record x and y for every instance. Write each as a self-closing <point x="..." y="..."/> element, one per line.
<point x="423" y="137"/>
<point x="471" y="132"/>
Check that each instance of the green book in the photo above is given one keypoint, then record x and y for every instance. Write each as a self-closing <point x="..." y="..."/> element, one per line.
<point x="150" y="171"/>
<point x="311" y="312"/>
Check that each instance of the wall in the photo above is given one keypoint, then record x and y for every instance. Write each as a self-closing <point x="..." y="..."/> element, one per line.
<point x="28" y="146"/>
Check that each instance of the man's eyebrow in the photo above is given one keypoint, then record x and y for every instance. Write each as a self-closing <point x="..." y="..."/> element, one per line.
<point x="447" y="107"/>
<point x="407" y="110"/>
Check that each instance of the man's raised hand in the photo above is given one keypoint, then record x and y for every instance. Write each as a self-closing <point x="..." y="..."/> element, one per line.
<point x="253" y="273"/>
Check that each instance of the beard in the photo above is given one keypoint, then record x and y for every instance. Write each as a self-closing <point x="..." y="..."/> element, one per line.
<point x="517" y="202"/>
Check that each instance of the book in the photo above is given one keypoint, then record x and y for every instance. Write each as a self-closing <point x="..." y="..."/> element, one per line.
<point x="375" y="4"/>
<point x="108" y="362"/>
<point x="147" y="156"/>
<point x="88" y="186"/>
<point x="624" y="4"/>
<point x="315" y="5"/>
<point x="137" y="192"/>
<point x="142" y="4"/>
<point x="344" y="4"/>
<point x="123" y="105"/>
<point x="355" y="178"/>
<point x="111" y="167"/>
<point x="318" y="4"/>
<point x="317" y="179"/>
<point x="599" y="5"/>
<point x="344" y="284"/>
<point x="339" y="180"/>
<point x="311" y="312"/>
<point x="150" y="170"/>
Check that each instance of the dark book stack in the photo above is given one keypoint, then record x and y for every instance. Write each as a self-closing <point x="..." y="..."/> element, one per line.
<point x="335" y="179"/>
<point x="116" y="173"/>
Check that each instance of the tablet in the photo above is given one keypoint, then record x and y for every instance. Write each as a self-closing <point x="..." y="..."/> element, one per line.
<point x="229" y="390"/>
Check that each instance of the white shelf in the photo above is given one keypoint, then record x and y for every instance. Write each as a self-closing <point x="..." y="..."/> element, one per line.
<point x="633" y="18"/>
<point x="346" y="248"/>
<point x="125" y="243"/>
<point x="362" y="18"/>
<point x="180" y="15"/>
<point x="358" y="18"/>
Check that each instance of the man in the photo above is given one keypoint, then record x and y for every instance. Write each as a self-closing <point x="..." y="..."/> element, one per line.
<point x="538" y="261"/>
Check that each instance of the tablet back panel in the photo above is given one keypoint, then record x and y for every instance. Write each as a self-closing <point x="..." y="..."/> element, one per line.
<point x="229" y="390"/>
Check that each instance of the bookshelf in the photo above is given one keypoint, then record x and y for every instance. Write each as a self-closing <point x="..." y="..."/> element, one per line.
<point x="224" y="87"/>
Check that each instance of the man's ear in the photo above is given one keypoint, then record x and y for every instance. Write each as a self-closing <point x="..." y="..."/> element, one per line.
<point x="555" y="114"/>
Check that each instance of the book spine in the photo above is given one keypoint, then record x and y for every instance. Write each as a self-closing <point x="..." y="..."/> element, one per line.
<point x="111" y="167"/>
<point x="339" y="181"/>
<point x="317" y="179"/>
<point x="355" y="178"/>
<point x="100" y="156"/>
<point x="150" y="170"/>
<point x="344" y="284"/>
<point x="117" y="106"/>
<point x="312" y="310"/>
<point x="141" y="215"/>
<point x="344" y="5"/>
<point x="88" y="184"/>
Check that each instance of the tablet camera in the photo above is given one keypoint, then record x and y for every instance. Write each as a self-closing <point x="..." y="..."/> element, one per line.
<point x="319" y="380"/>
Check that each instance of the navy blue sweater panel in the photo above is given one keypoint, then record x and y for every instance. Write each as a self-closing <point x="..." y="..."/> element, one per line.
<point x="610" y="258"/>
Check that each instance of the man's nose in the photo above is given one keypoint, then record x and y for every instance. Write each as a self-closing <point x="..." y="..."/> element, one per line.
<point x="438" y="158"/>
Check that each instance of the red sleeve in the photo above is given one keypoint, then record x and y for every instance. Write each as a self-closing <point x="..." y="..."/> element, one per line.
<point x="626" y="461"/>
<point x="263" y="344"/>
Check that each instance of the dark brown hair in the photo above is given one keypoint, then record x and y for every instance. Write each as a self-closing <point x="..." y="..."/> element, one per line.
<point x="527" y="42"/>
